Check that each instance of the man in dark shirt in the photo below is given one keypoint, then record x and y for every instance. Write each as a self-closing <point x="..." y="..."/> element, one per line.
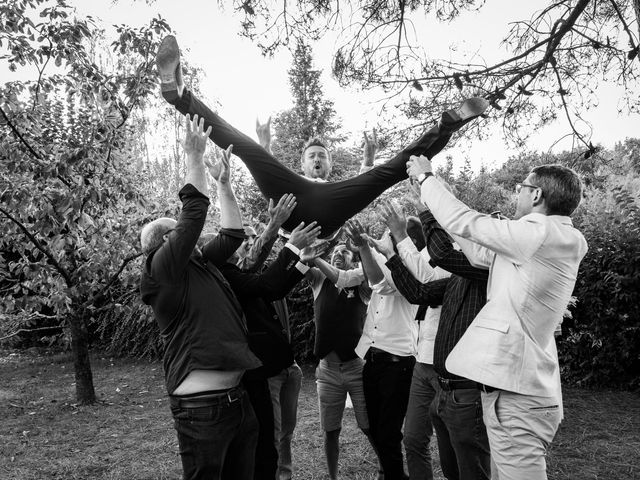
<point x="255" y="292"/>
<point x="456" y="412"/>
<point x="202" y="324"/>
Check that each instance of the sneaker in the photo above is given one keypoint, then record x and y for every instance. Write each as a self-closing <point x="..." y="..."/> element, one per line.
<point x="471" y="108"/>
<point x="169" y="69"/>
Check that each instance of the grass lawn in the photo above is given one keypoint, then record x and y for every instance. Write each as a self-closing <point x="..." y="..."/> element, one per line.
<point x="129" y="433"/>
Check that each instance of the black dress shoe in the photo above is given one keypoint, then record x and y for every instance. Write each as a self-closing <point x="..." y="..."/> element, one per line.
<point x="452" y="120"/>
<point x="168" y="63"/>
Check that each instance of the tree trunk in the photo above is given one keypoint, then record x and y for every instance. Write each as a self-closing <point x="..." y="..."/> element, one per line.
<point x="85" y="393"/>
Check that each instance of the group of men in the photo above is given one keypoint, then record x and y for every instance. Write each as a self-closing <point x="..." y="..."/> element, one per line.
<point x="447" y="324"/>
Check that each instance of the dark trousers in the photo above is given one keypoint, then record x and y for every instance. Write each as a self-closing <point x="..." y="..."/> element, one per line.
<point x="417" y="424"/>
<point x="328" y="203"/>
<point x="217" y="442"/>
<point x="386" y="393"/>
<point x="266" y="456"/>
<point x="463" y="444"/>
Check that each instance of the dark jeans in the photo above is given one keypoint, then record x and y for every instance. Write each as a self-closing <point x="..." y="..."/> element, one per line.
<point x="266" y="456"/>
<point x="386" y="393"/>
<point x="463" y="444"/>
<point x="217" y="442"/>
<point x="417" y="425"/>
<point x="328" y="203"/>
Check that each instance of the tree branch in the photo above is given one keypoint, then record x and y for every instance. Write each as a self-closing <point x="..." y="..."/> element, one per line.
<point x="28" y="330"/>
<point x="40" y="247"/>
<point x="566" y="108"/>
<point x="624" y="23"/>
<point x="19" y="135"/>
<point x="113" y="278"/>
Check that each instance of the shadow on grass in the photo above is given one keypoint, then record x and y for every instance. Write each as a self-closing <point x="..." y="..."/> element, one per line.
<point x="129" y="433"/>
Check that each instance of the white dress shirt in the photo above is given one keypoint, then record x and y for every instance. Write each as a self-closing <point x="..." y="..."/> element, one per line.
<point x="390" y="324"/>
<point x="417" y="262"/>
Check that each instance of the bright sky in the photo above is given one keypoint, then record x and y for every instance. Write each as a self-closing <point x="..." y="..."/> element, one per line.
<point x="249" y="85"/>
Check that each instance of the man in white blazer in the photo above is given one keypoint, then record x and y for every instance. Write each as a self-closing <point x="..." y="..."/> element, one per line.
<point x="509" y="348"/>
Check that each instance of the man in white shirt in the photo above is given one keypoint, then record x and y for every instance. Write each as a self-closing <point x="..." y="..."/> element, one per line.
<point x="388" y="344"/>
<point x="509" y="348"/>
<point x="418" y="428"/>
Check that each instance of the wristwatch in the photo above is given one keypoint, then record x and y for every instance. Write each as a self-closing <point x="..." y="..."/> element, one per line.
<point x="423" y="176"/>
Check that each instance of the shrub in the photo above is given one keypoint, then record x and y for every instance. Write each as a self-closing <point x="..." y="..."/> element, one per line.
<point x="601" y="344"/>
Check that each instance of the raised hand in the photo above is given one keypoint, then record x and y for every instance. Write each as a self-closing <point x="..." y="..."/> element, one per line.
<point x="413" y="195"/>
<point x="220" y="169"/>
<point x="264" y="134"/>
<point x="355" y="232"/>
<point x="371" y="146"/>
<point x="384" y="245"/>
<point x="394" y="218"/>
<point x="302" y="236"/>
<point x="195" y="140"/>
<point x="314" y="251"/>
<point x="417" y="165"/>
<point x="279" y="213"/>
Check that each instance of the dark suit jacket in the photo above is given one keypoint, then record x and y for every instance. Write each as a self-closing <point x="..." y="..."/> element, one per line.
<point x="255" y="292"/>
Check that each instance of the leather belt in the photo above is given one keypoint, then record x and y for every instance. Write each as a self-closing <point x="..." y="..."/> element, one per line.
<point x="208" y="399"/>
<point x="376" y="355"/>
<point x="449" y="384"/>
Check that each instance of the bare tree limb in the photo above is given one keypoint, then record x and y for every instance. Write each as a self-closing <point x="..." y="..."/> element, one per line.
<point x="27" y="330"/>
<point x="632" y="43"/>
<point x="566" y="108"/>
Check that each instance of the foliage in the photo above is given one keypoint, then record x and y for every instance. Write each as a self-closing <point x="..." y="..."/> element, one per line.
<point x="601" y="345"/>
<point x="550" y="61"/>
<point x="128" y="328"/>
<point x="312" y="115"/>
<point x="70" y="202"/>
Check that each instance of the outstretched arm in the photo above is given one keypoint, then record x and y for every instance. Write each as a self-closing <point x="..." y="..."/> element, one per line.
<point x="194" y="146"/>
<point x="264" y="243"/>
<point x="418" y="293"/>
<point x="356" y="234"/>
<point x="230" y="216"/>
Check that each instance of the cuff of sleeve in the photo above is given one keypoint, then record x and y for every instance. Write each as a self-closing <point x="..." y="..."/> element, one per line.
<point x="302" y="267"/>
<point x="233" y="232"/>
<point x="190" y="191"/>
<point x="293" y="248"/>
<point x="393" y="262"/>
<point x="426" y="216"/>
<point x="378" y="286"/>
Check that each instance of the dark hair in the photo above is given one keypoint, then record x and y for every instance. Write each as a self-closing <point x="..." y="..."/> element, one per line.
<point x="414" y="230"/>
<point x="315" y="142"/>
<point x="561" y="187"/>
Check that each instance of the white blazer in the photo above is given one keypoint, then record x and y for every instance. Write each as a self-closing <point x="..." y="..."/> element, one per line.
<point x="533" y="263"/>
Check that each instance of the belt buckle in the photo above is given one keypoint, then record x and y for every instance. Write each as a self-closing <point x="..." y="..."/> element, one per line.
<point x="445" y="383"/>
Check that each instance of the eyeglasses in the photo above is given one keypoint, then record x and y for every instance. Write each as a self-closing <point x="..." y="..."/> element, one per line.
<point x="519" y="186"/>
